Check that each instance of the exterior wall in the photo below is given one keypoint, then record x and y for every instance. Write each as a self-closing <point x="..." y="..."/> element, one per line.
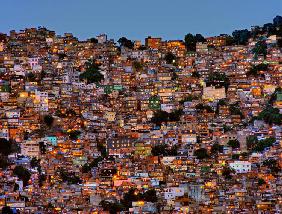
<point x="30" y="148"/>
<point x="213" y="93"/>
<point x="241" y="166"/>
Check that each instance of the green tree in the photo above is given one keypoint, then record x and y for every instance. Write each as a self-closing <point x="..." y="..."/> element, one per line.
<point x="273" y="96"/>
<point x="271" y="116"/>
<point x="251" y="141"/>
<point x="150" y="196"/>
<point x="102" y="148"/>
<point x="74" y="134"/>
<point x="191" y="40"/>
<point x="92" y="73"/>
<point x="42" y="147"/>
<point x="236" y="110"/>
<point x="257" y="69"/>
<point x="196" y="74"/>
<point x="164" y="150"/>
<point x="229" y="40"/>
<point x="199" y="38"/>
<point x="123" y="41"/>
<point x="260" y="48"/>
<point x="88" y="166"/>
<point x="85" y="168"/>
<point x="188" y="98"/>
<point x="201" y="153"/>
<point x="226" y="128"/>
<point x="133" y="195"/>
<point x="227" y="172"/>
<point x="62" y="56"/>
<point x="234" y="144"/>
<point x="7" y="210"/>
<point x="112" y="208"/>
<point x="174" y="76"/>
<point x="154" y="103"/>
<point x="22" y="173"/>
<point x="201" y="108"/>
<point x="170" y="58"/>
<point x="261" y="145"/>
<point x="175" y="115"/>
<point x="42" y="75"/>
<point x="217" y="79"/>
<point x="41" y="179"/>
<point x="235" y="157"/>
<point x="137" y="66"/>
<point x="31" y="77"/>
<point x="3" y="162"/>
<point x="5" y="147"/>
<point x="261" y="181"/>
<point x="273" y="165"/>
<point x="241" y="37"/>
<point x="34" y="162"/>
<point x="93" y="40"/>
<point x="48" y="120"/>
<point x="216" y="148"/>
<point x="130" y="196"/>
<point x="68" y="177"/>
<point x="164" y="117"/>
<point x="160" y="117"/>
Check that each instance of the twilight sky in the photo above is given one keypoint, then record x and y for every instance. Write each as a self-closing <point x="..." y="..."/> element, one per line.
<point x="170" y="19"/>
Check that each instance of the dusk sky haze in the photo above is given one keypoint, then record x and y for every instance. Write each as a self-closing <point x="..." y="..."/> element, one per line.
<point x="138" y="19"/>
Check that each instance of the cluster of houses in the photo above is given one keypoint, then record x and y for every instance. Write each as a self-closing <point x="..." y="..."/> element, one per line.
<point x="189" y="133"/>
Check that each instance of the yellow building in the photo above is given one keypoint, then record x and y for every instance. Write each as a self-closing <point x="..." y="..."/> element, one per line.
<point x="142" y="149"/>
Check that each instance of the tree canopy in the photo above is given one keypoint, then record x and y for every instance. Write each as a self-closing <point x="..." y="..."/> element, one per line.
<point x="217" y="79"/>
<point x="170" y="58"/>
<point x="48" y="120"/>
<point x="234" y="144"/>
<point x="256" y="70"/>
<point x="216" y="148"/>
<point x="132" y="195"/>
<point x="5" y="147"/>
<point x="7" y="210"/>
<point x="241" y="37"/>
<point x="68" y="177"/>
<point x="235" y="109"/>
<point x="22" y="173"/>
<point x="202" y="107"/>
<point x="261" y="145"/>
<point x="164" y="150"/>
<point x="260" y="48"/>
<point x="227" y="172"/>
<point x="191" y="40"/>
<point x="271" y="116"/>
<point x="164" y="117"/>
<point x="272" y="164"/>
<point x="123" y="41"/>
<point x="92" y="73"/>
<point x="93" y="40"/>
<point x="201" y="153"/>
<point x="74" y="134"/>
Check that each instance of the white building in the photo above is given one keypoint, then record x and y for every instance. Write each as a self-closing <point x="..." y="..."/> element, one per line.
<point x="189" y="138"/>
<point x="212" y="93"/>
<point x="30" y="148"/>
<point x="33" y="61"/>
<point x="41" y="98"/>
<point x="19" y="70"/>
<point x="173" y="192"/>
<point x="102" y="38"/>
<point x="14" y="113"/>
<point x="241" y="166"/>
